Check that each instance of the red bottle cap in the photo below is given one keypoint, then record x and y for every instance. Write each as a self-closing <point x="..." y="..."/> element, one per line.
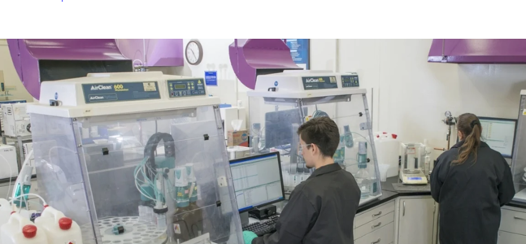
<point x="65" y="223"/>
<point x="29" y="231"/>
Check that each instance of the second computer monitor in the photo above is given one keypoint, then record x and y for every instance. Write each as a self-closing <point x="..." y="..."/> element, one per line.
<point x="257" y="181"/>
<point x="499" y="134"/>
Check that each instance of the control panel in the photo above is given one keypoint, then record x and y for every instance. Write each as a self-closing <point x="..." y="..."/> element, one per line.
<point x="350" y="80"/>
<point x="186" y="88"/>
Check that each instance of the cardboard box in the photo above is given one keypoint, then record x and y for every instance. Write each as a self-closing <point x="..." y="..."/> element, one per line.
<point x="238" y="138"/>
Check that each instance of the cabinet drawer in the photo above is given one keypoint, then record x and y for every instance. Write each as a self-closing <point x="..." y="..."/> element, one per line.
<point x="373" y="225"/>
<point x="372" y="214"/>
<point x="513" y="221"/>
<point x="383" y="235"/>
<point x="510" y="238"/>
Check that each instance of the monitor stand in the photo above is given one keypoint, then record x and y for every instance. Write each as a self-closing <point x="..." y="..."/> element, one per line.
<point x="244" y="218"/>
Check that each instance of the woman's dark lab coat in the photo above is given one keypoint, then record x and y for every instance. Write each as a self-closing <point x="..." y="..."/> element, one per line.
<point x="471" y="195"/>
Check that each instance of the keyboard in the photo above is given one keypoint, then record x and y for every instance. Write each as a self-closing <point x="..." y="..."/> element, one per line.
<point x="263" y="227"/>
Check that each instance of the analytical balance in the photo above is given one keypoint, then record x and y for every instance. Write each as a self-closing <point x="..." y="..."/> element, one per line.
<point x="413" y="156"/>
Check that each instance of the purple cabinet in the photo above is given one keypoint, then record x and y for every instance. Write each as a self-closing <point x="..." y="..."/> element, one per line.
<point x="39" y="60"/>
<point x="478" y="51"/>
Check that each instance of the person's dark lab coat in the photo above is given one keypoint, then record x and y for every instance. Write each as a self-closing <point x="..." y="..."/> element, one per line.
<point x="471" y="195"/>
<point x="320" y="210"/>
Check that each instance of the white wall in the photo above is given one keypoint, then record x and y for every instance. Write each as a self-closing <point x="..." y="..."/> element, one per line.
<point x="10" y="76"/>
<point x="411" y="95"/>
<point x="323" y="54"/>
<point x="217" y="58"/>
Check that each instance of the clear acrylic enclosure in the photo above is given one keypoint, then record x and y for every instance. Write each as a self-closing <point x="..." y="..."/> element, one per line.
<point x="519" y="157"/>
<point x="159" y="177"/>
<point x="274" y="123"/>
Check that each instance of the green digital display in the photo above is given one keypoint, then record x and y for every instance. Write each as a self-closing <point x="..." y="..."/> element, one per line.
<point x="186" y="88"/>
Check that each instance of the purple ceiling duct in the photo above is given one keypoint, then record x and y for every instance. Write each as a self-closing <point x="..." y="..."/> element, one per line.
<point x="478" y="51"/>
<point x="40" y="60"/>
<point x="253" y="57"/>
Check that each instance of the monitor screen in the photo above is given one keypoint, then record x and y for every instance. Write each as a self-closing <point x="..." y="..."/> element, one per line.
<point x="499" y="134"/>
<point x="257" y="181"/>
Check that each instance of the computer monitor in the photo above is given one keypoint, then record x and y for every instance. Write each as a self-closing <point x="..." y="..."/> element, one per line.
<point x="257" y="181"/>
<point x="499" y="134"/>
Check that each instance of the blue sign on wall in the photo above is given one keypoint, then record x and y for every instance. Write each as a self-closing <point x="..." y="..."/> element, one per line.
<point x="211" y="78"/>
<point x="300" y="51"/>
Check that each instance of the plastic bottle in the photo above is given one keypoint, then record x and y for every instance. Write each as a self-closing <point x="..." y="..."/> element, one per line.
<point x="19" y="230"/>
<point x="339" y="155"/>
<point x="181" y="186"/>
<point x="364" y="181"/>
<point x="182" y="231"/>
<point x="161" y="221"/>
<point x="255" y="137"/>
<point x="362" y="176"/>
<point x="58" y="228"/>
<point x="427" y="158"/>
<point x="5" y="211"/>
<point x="192" y="182"/>
<point x="349" y="141"/>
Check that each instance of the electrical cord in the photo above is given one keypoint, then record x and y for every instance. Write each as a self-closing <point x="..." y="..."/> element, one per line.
<point x="27" y="204"/>
<point x="27" y="194"/>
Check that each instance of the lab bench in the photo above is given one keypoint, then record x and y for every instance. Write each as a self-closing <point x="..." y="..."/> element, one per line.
<point x="411" y="216"/>
<point x="391" y="218"/>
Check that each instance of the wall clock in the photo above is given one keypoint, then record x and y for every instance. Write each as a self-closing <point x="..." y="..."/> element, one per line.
<point x="194" y="52"/>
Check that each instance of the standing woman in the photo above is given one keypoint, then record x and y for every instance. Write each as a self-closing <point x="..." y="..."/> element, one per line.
<point x="471" y="182"/>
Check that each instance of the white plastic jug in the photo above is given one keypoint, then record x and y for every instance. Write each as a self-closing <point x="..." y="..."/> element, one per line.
<point x="387" y="150"/>
<point x="5" y="211"/>
<point x="58" y="228"/>
<point x="19" y="230"/>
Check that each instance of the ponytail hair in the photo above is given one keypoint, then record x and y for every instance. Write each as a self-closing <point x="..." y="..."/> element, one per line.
<point x="470" y="127"/>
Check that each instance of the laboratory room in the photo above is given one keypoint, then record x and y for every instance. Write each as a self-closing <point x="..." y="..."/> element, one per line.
<point x="367" y="136"/>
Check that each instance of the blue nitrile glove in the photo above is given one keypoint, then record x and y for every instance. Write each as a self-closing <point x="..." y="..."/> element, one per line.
<point x="248" y="236"/>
